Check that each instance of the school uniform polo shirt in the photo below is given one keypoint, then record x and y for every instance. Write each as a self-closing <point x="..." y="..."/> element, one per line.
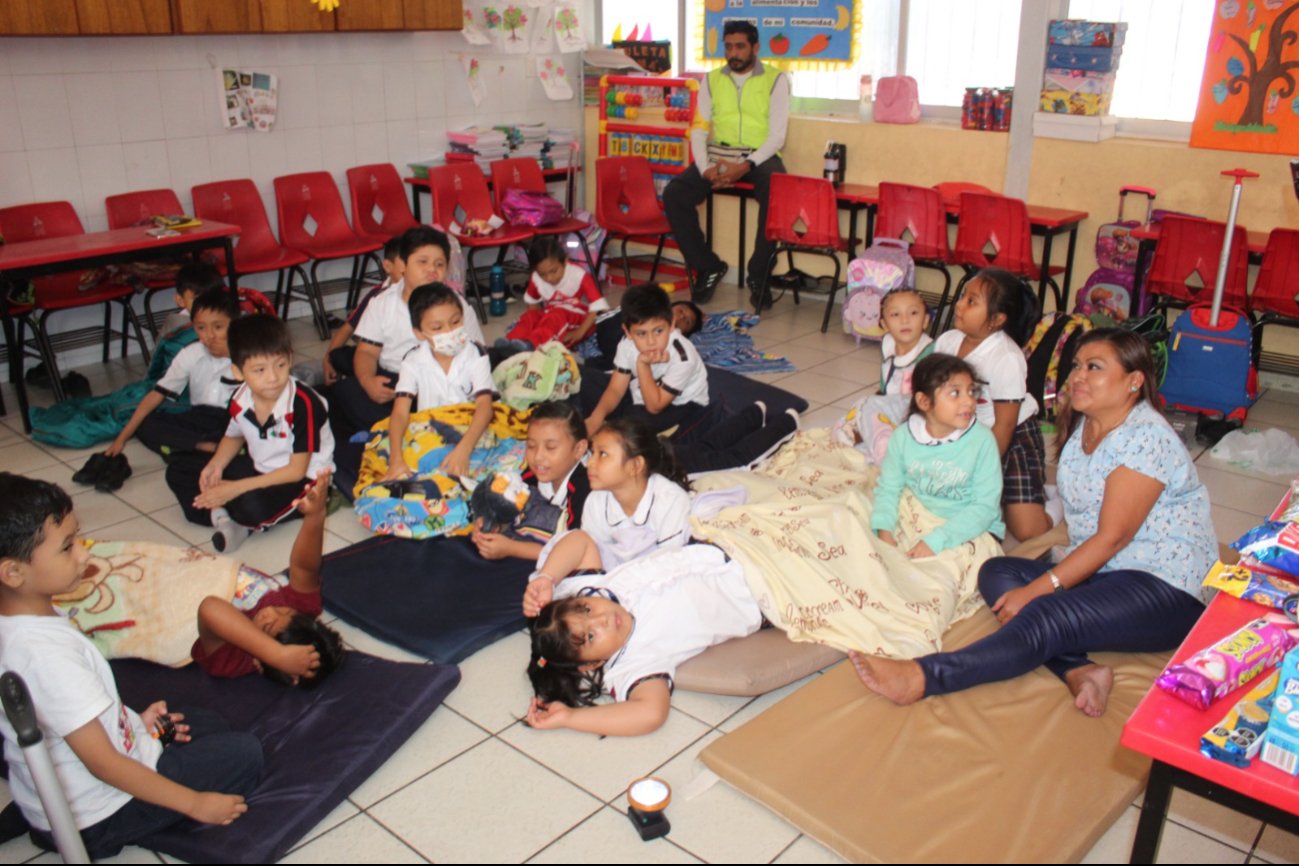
<point x="683" y="374"/>
<point x="299" y="424"/>
<point x="386" y="324"/>
<point x="423" y="380"/>
<point x="207" y="377"/>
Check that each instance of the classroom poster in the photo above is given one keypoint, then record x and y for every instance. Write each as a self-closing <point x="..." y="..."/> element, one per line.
<point x="796" y="33"/>
<point x="472" y="31"/>
<point x="1248" y="96"/>
<point x="543" y="29"/>
<point x="554" y="78"/>
<point x="248" y="99"/>
<point x="568" y="27"/>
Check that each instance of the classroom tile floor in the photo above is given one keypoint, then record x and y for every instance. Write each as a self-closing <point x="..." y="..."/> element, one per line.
<point x="475" y="784"/>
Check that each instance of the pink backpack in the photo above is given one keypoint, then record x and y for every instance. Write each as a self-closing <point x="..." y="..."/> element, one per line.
<point x="897" y="100"/>
<point x="883" y="267"/>
<point x="522" y="207"/>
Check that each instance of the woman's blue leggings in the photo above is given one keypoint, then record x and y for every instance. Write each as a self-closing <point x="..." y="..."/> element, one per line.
<point x="1111" y="611"/>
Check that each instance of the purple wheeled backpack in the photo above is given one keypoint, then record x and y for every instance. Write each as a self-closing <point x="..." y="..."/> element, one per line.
<point x="1109" y="288"/>
<point x="886" y="265"/>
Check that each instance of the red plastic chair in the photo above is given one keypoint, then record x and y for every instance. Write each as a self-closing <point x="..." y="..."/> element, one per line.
<point x="951" y="191"/>
<point x="459" y="195"/>
<point x="525" y="174"/>
<point x="917" y="214"/>
<point x="138" y="208"/>
<point x="627" y="207"/>
<point x="379" y="206"/>
<point x="257" y="251"/>
<point x="994" y="231"/>
<point x="302" y="200"/>
<point x="58" y="292"/>
<point x="1275" y="300"/>
<point x="1189" y="246"/>
<point x="803" y="217"/>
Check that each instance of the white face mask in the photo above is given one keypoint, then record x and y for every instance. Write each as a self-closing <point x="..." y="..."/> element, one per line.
<point x="450" y="342"/>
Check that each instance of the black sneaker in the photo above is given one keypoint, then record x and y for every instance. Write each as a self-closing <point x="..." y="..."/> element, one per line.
<point x="94" y="468"/>
<point x="767" y="299"/>
<point x="115" y="475"/>
<point x="706" y="285"/>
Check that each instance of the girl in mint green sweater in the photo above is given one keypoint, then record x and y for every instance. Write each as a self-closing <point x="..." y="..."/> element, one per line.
<point x="948" y="461"/>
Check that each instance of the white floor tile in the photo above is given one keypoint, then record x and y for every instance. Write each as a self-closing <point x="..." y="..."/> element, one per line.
<point x="1116" y="845"/>
<point x="342" y="812"/>
<point x="98" y="512"/>
<point x="712" y="710"/>
<point x="23" y="457"/>
<point x="360" y="839"/>
<point x="442" y="737"/>
<point x="450" y="815"/>
<point x="1226" y="825"/>
<point x="1271" y="410"/>
<point x="344" y="524"/>
<point x="494" y="691"/>
<point x="761" y="703"/>
<point x="816" y="388"/>
<point x="1239" y="492"/>
<point x="720" y="825"/>
<point x="141" y="529"/>
<point x="609" y="837"/>
<point x="1277" y="846"/>
<point x="605" y="765"/>
<point x="367" y="643"/>
<point x="148" y="493"/>
<point x="807" y="850"/>
<point x="1182" y="845"/>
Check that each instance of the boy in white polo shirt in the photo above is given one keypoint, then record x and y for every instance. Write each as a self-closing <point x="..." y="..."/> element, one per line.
<point x="285" y="427"/>
<point x="443" y="369"/>
<point x="658" y="376"/>
<point x="203" y="370"/>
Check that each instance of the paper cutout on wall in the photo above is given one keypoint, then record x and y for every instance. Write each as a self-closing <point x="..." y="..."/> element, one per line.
<point x="492" y="20"/>
<point x="568" y="28"/>
<point x="473" y="31"/>
<point x="473" y="72"/>
<point x="515" y="26"/>
<point x="554" y="78"/>
<point x="810" y="35"/>
<point x="543" y="30"/>
<point x="1248" y="89"/>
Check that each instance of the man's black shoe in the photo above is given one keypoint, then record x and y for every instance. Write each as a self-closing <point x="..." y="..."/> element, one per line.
<point x="706" y="285"/>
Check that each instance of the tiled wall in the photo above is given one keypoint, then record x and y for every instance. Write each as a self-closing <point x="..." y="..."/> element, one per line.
<point x="81" y="119"/>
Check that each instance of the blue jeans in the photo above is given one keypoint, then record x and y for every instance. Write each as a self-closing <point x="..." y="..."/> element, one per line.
<point x="215" y="759"/>
<point x="1111" y="611"/>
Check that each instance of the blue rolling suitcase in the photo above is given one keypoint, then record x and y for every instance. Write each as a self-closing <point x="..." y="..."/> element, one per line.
<point x="1210" y="362"/>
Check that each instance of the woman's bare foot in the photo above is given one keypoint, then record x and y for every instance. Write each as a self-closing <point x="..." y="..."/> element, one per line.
<point x="1090" y="685"/>
<point x="902" y="682"/>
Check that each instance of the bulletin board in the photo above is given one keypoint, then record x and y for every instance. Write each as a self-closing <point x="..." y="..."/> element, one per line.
<point x="1248" y="96"/>
<point x="817" y="35"/>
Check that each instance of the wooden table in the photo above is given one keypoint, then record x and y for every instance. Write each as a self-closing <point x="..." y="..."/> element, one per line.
<point x="857" y="198"/>
<point x="1148" y="238"/>
<point x="24" y="260"/>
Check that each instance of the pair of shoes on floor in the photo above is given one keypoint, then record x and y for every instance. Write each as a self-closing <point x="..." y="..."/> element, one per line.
<point x="105" y="473"/>
<point x="706" y="283"/>
<point x="767" y="299"/>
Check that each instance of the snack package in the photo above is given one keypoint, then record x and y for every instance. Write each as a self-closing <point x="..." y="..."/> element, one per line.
<point x="1238" y="737"/>
<point x="1288" y="509"/>
<point x="1281" y="747"/>
<point x="1231" y="662"/>
<point x="1275" y="543"/>
<point x="1266" y="587"/>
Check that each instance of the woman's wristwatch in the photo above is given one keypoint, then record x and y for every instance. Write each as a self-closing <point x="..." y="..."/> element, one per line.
<point x="1056" y="585"/>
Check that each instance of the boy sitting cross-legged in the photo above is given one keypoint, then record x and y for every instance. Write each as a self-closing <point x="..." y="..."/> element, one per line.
<point x="273" y="626"/>
<point x="283" y="424"/>
<point x="121" y="784"/>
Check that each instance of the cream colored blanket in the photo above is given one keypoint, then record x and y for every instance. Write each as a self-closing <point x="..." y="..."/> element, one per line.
<point x="818" y="571"/>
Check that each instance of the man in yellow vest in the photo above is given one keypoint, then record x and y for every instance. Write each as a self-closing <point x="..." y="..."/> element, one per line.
<point x="743" y="112"/>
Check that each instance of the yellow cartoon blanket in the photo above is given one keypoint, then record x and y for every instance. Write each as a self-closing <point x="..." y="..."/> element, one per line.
<point x="818" y="571"/>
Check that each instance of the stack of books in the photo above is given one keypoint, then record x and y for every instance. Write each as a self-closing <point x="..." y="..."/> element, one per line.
<point x="561" y="149"/>
<point x="480" y="144"/>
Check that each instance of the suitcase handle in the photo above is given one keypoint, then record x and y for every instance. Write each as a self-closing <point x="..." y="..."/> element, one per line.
<point x="1139" y="190"/>
<point x="892" y="242"/>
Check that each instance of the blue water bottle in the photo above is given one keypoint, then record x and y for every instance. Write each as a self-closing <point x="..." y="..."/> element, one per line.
<point x="497" y="291"/>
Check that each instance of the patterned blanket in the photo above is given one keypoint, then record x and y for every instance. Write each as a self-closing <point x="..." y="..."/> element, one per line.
<point x="724" y="341"/>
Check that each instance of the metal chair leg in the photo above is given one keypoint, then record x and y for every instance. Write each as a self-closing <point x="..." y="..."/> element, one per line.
<point x="834" y="289"/>
<point x="479" y="306"/>
<point x="658" y="255"/>
<point x="317" y="302"/>
<point x="129" y="315"/>
<point x="46" y="349"/>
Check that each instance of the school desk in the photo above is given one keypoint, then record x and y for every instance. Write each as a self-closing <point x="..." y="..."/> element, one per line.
<point x="24" y="260"/>
<point x="857" y="198"/>
<point x="1169" y="731"/>
<point x="422" y="186"/>
<point x="1148" y="239"/>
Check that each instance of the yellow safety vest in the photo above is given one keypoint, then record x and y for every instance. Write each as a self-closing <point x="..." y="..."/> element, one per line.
<point x="740" y="114"/>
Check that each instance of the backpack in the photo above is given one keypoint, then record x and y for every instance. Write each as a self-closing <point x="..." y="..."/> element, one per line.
<point x="1050" y="352"/>
<point x="883" y="267"/>
<point x="1210" y="368"/>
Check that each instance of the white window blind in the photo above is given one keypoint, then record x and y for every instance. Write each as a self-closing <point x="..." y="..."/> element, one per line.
<point x="955" y="44"/>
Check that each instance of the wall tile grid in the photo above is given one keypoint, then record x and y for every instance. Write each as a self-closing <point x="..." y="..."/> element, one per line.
<point x="91" y="117"/>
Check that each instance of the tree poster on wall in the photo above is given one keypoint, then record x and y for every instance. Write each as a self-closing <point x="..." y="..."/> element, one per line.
<point x="1248" y="96"/>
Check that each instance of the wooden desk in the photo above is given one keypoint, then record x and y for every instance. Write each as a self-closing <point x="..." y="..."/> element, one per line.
<point x="422" y="186"/>
<point x="1148" y="239"/>
<point x="1169" y="731"/>
<point x="856" y="198"/>
<point x="24" y="260"/>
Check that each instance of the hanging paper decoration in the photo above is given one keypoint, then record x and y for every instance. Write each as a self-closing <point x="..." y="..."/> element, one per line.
<point x="543" y="30"/>
<point x="1249" y="69"/>
<point x="568" y="27"/>
<point x="514" y="26"/>
<point x="326" y="5"/>
<point x="554" y="79"/>
<point x="472" y="31"/>
<point x="473" y="72"/>
<point x="617" y="33"/>
<point x="646" y="37"/>
<point x="635" y="34"/>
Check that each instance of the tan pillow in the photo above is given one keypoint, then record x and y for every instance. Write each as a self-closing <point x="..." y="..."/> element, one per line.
<point x="753" y="665"/>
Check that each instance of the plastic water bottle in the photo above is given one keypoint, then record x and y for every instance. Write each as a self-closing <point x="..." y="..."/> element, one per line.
<point x="497" y="291"/>
<point x="866" y="100"/>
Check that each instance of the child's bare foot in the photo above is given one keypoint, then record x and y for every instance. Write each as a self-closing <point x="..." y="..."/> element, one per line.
<point x="902" y="682"/>
<point x="1090" y="685"/>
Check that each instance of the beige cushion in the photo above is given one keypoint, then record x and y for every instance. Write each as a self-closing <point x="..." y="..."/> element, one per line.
<point x="753" y="665"/>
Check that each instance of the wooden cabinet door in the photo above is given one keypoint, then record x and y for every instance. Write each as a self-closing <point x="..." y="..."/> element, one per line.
<point x="120" y="17"/>
<point x="370" y="15"/>
<point x="227" y="16"/>
<point x="434" y="14"/>
<point x="297" y="16"/>
<point x="47" y="18"/>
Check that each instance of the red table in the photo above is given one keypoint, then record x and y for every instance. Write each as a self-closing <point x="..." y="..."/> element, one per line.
<point x="1169" y="731"/>
<point x="423" y="186"/>
<point x="1047" y="222"/>
<point x="24" y="260"/>
<point x="1148" y="239"/>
